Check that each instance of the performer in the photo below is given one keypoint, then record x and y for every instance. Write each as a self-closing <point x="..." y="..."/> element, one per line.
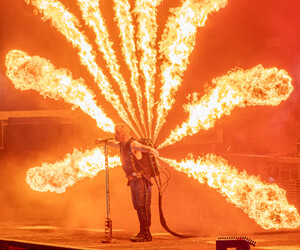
<point x="138" y="176"/>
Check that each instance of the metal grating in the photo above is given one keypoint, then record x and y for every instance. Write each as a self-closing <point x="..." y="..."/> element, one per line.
<point x="238" y="242"/>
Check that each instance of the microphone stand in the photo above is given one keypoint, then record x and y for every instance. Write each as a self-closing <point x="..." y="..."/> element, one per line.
<point x="108" y="221"/>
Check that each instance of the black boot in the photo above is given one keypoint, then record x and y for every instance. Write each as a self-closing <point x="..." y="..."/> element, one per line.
<point x="142" y="236"/>
<point x="145" y="222"/>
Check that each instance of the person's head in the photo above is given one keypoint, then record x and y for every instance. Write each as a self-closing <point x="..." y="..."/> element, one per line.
<point x="122" y="132"/>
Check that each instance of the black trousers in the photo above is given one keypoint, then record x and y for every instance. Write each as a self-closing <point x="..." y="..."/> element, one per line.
<point x="141" y="199"/>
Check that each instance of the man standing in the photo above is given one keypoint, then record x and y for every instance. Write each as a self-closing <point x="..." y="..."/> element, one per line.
<point x="138" y="176"/>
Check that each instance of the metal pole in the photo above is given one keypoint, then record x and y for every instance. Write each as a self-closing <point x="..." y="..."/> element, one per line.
<point x="108" y="221"/>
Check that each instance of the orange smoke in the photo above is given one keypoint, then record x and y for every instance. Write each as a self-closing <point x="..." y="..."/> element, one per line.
<point x="239" y="88"/>
<point x="265" y="203"/>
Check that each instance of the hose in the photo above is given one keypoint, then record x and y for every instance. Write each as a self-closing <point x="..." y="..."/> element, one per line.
<point x="161" y="215"/>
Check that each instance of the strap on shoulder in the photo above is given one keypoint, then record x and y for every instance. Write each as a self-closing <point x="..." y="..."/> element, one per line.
<point x="131" y="155"/>
<point x="130" y="141"/>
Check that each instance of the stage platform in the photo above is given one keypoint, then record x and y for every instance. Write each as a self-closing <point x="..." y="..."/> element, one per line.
<point x="47" y="237"/>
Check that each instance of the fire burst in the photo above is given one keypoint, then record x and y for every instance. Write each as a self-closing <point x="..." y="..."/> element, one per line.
<point x="265" y="203"/>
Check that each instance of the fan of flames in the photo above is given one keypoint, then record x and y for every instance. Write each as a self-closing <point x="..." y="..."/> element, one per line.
<point x="265" y="203"/>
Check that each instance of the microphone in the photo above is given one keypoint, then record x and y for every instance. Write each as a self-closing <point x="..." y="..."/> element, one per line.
<point x="99" y="141"/>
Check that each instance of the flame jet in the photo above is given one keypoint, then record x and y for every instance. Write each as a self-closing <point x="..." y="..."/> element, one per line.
<point x="178" y="42"/>
<point x="93" y="18"/>
<point x="125" y="24"/>
<point x="239" y="88"/>
<point x="74" y="167"/>
<point x="146" y="12"/>
<point x="39" y="74"/>
<point x="265" y="203"/>
<point x="66" y="23"/>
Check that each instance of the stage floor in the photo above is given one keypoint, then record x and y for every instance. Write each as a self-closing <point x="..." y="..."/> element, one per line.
<point x="92" y="239"/>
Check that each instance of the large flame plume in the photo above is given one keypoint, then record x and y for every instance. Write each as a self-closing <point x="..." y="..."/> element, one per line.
<point x="239" y="88"/>
<point x="93" y="17"/>
<point x="265" y="203"/>
<point x="39" y="74"/>
<point x="146" y="11"/>
<point x="74" y="167"/>
<point x="66" y="23"/>
<point x="177" y="44"/>
<point x="125" y="23"/>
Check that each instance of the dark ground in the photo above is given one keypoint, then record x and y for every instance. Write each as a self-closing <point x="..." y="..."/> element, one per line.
<point x="92" y="239"/>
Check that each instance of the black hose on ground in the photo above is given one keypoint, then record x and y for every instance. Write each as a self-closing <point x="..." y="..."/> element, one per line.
<point x="162" y="218"/>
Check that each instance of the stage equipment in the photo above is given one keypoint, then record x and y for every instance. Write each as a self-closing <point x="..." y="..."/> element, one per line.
<point x="99" y="141"/>
<point x="237" y="242"/>
<point x="149" y="159"/>
<point x="108" y="221"/>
